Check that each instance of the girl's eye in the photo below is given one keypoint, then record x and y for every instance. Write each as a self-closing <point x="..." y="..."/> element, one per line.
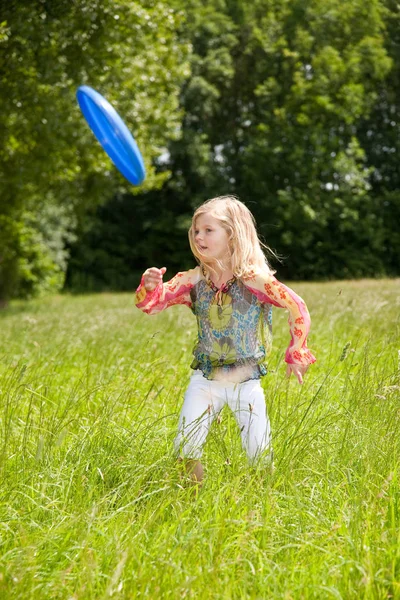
<point x="208" y="230"/>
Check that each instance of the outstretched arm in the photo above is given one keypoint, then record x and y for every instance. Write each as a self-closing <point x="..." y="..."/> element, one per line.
<point x="153" y="296"/>
<point x="269" y="290"/>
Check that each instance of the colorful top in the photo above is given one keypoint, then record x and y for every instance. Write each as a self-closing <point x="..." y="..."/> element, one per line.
<point x="234" y="322"/>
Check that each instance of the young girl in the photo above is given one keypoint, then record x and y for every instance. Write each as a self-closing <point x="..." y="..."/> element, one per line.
<point x="231" y="293"/>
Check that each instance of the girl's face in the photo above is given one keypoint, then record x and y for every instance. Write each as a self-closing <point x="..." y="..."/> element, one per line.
<point x="211" y="238"/>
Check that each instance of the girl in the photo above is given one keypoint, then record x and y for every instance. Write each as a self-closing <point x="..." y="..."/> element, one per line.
<point x="231" y="293"/>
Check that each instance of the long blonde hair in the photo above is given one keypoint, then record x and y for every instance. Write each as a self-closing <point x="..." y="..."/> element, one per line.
<point x="244" y="245"/>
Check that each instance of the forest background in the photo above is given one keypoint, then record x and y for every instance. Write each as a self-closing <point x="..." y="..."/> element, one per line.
<point x="293" y="105"/>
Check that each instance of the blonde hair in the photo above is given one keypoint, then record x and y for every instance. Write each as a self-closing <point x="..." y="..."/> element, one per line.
<point x="245" y="247"/>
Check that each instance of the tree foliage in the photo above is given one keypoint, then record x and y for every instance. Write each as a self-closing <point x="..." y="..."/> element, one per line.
<point x="279" y="128"/>
<point x="291" y="105"/>
<point x="128" y="51"/>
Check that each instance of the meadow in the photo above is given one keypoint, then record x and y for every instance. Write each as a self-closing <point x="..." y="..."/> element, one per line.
<point x="92" y="501"/>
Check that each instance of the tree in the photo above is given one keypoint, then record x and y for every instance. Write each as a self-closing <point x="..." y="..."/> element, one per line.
<point x="52" y="171"/>
<point x="288" y="104"/>
<point x="380" y="137"/>
<point x="272" y="108"/>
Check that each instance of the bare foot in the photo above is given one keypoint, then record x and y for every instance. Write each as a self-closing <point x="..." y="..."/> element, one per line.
<point x="194" y="470"/>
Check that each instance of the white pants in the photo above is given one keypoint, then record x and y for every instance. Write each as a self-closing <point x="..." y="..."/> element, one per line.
<point x="205" y="399"/>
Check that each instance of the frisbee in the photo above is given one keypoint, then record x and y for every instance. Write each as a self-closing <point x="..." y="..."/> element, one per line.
<point x="112" y="133"/>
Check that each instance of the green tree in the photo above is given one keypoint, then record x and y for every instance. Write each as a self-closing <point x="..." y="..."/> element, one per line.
<point x="380" y="137"/>
<point x="283" y="106"/>
<point x="272" y="106"/>
<point x="52" y="171"/>
<point x="316" y="76"/>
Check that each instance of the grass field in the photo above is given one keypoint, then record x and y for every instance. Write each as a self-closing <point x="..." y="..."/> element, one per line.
<point x="92" y="503"/>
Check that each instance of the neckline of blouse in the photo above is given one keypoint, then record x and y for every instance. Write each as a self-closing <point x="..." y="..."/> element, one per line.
<point x="224" y="288"/>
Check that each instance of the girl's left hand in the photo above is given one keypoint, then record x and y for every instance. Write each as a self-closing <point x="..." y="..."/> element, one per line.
<point x="298" y="370"/>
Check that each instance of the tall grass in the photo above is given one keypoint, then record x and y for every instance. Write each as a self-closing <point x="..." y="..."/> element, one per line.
<point x="93" y="504"/>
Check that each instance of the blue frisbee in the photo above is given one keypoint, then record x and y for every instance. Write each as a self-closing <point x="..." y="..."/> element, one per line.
<point x="112" y="133"/>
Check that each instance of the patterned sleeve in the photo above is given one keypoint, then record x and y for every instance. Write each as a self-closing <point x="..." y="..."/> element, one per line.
<point x="269" y="290"/>
<point x="174" y="291"/>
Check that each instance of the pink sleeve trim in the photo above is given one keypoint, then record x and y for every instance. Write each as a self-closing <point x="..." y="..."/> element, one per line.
<point x="163" y="296"/>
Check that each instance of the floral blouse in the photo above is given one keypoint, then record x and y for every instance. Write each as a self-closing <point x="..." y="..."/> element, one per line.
<point x="234" y="322"/>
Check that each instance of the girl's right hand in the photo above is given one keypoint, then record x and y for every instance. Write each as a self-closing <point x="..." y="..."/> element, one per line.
<point x="153" y="277"/>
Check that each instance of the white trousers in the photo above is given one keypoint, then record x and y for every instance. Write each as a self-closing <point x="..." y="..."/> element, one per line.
<point x="204" y="400"/>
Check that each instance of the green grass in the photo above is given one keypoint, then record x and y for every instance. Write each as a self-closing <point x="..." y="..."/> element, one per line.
<point x="92" y="503"/>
